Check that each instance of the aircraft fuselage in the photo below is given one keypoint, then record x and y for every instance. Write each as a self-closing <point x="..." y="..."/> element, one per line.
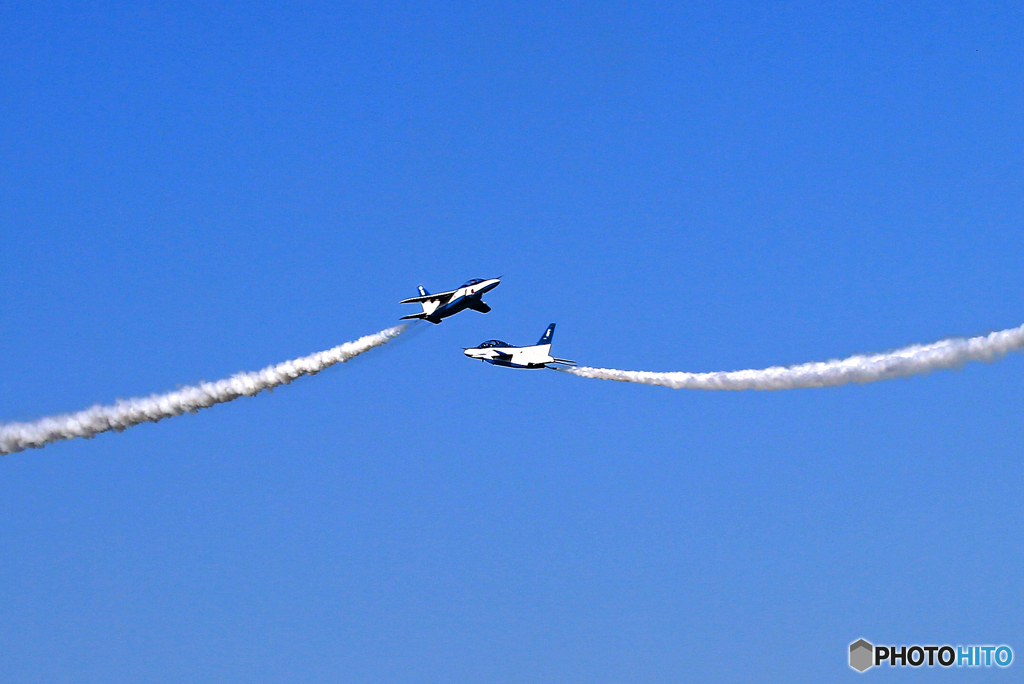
<point x="444" y="304"/>
<point x="470" y="298"/>
<point x="498" y="353"/>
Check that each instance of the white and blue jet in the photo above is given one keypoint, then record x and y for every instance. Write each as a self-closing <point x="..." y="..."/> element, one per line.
<point x="503" y="354"/>
<point x="445" y="304"/>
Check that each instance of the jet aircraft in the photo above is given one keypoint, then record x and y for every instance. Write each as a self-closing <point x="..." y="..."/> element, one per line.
<point x="503" y="354"/>
<point x="445" y="304"/>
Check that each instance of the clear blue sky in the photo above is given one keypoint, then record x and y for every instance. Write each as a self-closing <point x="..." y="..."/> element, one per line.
<point x="190" y="192"/>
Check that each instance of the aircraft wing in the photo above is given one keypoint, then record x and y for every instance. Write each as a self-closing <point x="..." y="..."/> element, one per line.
<point x="443" y="297"/>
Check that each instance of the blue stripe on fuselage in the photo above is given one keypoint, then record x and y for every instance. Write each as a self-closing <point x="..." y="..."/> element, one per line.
<point x="509" y="364"/>
<point x="453" y="307"/>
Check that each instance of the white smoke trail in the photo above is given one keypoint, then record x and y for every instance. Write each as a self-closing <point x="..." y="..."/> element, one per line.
<point x="125" y="413"/>
<point x="912" y="360"/>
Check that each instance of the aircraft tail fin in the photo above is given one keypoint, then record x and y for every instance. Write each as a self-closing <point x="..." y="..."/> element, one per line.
<point x="423" y="291"/>
<point x="548" y="334"/>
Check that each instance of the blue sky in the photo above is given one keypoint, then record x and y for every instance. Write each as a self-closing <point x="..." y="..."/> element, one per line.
<point x="192" y="191"/>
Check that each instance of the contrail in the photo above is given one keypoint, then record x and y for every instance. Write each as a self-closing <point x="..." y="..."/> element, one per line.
<point x="125" y="413"/>
<point x="912" y="360"/>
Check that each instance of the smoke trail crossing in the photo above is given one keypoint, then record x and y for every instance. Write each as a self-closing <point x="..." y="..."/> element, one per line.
<point x="913" y="360"/>
<point x="125" y="413"/>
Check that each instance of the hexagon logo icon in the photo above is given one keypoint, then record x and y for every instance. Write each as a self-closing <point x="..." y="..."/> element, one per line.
<point x="862" y="655"/>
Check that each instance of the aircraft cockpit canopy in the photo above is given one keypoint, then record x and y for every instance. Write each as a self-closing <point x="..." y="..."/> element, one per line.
<point x="474" y="281"/>
<point x="493" y="343"/>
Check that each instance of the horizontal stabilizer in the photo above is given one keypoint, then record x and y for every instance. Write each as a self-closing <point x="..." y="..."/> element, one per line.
<point x="411" y="316"/>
